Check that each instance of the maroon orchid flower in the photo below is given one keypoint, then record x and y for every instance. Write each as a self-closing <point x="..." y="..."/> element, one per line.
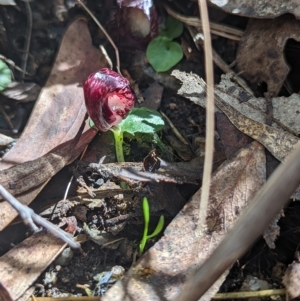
<point x="108" y="98"/>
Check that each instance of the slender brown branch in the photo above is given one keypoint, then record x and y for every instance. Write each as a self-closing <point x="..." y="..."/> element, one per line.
<point x="215" y="28"/>
<point x="28" y="38"/>
<point x="210" y="121"/>
<point x="31" y="219"/>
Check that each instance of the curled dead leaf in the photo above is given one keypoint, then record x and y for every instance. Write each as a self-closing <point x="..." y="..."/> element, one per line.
<point x="260" y="55"/>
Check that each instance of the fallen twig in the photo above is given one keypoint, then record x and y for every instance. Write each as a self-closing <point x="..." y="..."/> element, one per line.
<point x="30" y="218"/>
<point x="28" y="38"/>
<point x="210" y="118"/>
<point x="221" y="30"/>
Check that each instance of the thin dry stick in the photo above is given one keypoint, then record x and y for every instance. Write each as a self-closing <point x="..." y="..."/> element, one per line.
<point x="6" y="117"/>
<point x="71" y="298"/>
<point x="267" y="203"/>
<point x="106" y="34"/>
<point x="31" y="219"/>
<point x="11" y="63"/>
<point x="215" y="28"/>
<point x="210" y="122"/>
<point x="28" y="38"/>
<point x="251" y="294"/>
<point x="173" y="128"/>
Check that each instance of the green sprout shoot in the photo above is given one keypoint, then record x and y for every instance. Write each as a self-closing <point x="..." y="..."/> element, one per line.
<point x="158" y="229"/>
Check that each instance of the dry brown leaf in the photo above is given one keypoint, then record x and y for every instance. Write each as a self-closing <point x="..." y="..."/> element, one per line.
<point x="59" y="111"/>
<point x="232" y="139"/>
<point x="21" y="266"/>
<point x="278" y="142"/>
<point x="27" y="175"/>
<point x="162" y="271"/>
<point x="285" y="109"/>
<point x="272" y="232"/>
<point x="260" y="55"/>
<point x="259" y="9"/>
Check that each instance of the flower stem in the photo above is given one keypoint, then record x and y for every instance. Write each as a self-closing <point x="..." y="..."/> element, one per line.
<point x="118" y="135"/>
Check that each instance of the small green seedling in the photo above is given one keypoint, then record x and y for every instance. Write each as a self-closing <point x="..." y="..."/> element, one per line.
<point x="158" y="229"/>
<point x="5" y="75"/>
<point x="139" y="120"/>
<point x="162" y="53"/>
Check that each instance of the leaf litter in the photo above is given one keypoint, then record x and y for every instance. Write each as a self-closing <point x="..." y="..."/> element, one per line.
<point x="257" y="130"/>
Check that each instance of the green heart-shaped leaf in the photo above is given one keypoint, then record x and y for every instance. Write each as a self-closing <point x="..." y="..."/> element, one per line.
<point x="173" y="28"/>
<point x="163" y="54"/>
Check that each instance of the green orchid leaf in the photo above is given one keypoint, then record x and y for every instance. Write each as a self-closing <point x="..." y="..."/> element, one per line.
<point x="163" y="54"/>
<point x="158" y="228"/>
<point x="146" y="212"/>
<point x="5" y="75"/>
<point x="173" y="28"/>
<point x="142" y="120"/>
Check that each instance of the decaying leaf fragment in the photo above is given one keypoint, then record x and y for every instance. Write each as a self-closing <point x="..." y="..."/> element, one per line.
<point x="267" y="9"/>
<point x="173" y="259"/>
<point x="277" y="141"/>
<point x="21" y="266"/>
<point x="285" y="109"/>
<point x="27" y="175"/>
<point x="260" y="55"/>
